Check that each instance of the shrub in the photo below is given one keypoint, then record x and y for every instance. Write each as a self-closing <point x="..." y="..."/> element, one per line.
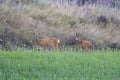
<point x="102" y="20"/>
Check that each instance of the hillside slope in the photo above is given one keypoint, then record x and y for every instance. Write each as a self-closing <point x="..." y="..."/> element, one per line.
<point x="20" y="23"/>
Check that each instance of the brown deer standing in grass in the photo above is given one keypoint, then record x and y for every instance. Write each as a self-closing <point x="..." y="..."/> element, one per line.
<point x="46" y="43"/>
<point x="51" y="43"/>
<point x="84" y="44"/>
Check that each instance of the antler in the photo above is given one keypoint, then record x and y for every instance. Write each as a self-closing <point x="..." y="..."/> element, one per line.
<point x="77" y="34"/>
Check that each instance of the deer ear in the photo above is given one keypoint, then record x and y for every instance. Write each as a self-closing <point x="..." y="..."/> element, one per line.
<point x="77" y="35"/>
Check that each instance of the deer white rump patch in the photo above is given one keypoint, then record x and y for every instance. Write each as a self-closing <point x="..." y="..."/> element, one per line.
<point x="58" y="41"/>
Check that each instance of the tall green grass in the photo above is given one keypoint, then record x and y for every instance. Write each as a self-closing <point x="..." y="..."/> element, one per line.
<point x="57" y="65"/>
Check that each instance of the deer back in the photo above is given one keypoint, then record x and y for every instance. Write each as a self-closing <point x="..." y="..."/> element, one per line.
<point x="49" y="42"/>
<point x="85" y="44"/>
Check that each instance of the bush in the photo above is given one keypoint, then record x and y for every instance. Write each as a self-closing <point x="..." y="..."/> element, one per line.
<point x="102" y="20"/>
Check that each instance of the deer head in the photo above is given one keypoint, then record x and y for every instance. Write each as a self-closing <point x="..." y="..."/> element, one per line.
<point x="78" y="39"/>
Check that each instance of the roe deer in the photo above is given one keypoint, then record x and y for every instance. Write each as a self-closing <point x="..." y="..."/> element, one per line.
<point x="84" y="44"/>
<point x="51" y="43"/>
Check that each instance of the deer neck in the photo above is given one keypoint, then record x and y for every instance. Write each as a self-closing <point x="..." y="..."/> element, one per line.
<point x="80" y="41"/>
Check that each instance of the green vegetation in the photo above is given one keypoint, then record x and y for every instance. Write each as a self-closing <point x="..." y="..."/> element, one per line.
<point x="59" y="65"/>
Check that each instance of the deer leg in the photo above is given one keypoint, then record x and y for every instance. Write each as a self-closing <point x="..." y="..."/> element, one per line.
<point x="56" y="47"/>
<point x="89" y="49"/>
<point x="83" y="50"/>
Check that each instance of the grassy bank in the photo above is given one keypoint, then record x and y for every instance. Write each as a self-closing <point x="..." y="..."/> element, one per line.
<point x="19" y="24"/>
<point x="56" y="65"/>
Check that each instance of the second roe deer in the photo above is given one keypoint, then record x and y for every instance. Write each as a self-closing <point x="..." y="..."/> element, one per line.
<point x="84" y="44"/>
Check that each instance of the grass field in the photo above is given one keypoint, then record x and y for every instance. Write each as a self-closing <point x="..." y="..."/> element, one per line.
<point x="56" y="65"/>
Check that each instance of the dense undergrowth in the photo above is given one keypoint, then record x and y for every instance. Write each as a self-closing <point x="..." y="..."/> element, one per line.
<point x="20" y="23"/>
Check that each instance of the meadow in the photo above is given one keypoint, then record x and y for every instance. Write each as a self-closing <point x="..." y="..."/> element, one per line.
<point x="59" y="65"/>
<point x="21" y="22"/>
